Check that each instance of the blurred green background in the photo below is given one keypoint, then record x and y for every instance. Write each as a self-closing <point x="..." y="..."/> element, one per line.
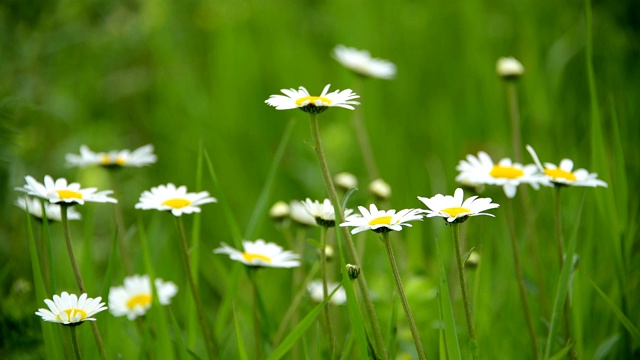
<point x="178" y="74"/>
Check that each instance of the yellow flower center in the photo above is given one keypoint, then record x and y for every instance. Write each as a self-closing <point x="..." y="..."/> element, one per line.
<point x="106" y="160"/>
<point x="72" y="312"/>
<point x="250" y="257"/>
<point x="139" y="300"/>
<point x="69" y="194"/>
<point x="384" y="220"/>
<point x="508" y="172"/>
<point x="312" y="100"/>
<point x="560" y="174"/>
<point x="455" y="211"/>
<point x="176" y="203"/>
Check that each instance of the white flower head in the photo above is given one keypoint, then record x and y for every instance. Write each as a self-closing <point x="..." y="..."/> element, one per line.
<point x="69" y="309"/>
<point x="380" y="189"/>
<point x="454" y="209"/>
<point x="564" y="175"/>
<point x="381" y="221"/>
<point x="346" y="180"/>
<point x="135" y="297"/>
<point x="261" y="254"/>
<point x="279" y="210"/>
<point x="480" y="170"/>
<point x="317" y="293"/>
<point x="141" y="156"/>
<point x="60" y="192"/>
<point x="300" y="215"/>
<point x="175" y="199"/>
<point x="509" y="68"/>
<point x="300" y="99"/>
<point x="361" y="63"/>
<point x="323" y="212"/>
<point x="34" y="207"/>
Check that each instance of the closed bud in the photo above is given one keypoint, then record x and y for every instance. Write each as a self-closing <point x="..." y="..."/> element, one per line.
<point x="353" y="271"/>
<point x="509" y="68"/>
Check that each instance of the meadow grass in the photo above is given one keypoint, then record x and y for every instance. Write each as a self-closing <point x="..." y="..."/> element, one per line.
<point x="191" y="78"/>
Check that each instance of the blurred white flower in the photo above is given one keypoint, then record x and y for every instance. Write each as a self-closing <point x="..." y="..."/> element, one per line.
<point x="346" y="180"/>
<point x="34" y="207"/>
<point x="300" y="215"/>
<point x="135" y="297"/>
<point x="509" y="68"/>
<point x="361" y="63"/>
<point x="380" y="189"/>
<point x="261" y="254"/>
<point x="142" y="156"/>
<point x="564" y="173"/>
<point x="317" y="294"/>
<point x="59" y="192"/>
<point x="323" y="212"/>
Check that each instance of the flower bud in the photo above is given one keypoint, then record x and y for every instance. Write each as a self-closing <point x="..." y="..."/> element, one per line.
<point x="509" y="68"/>
<point x="279" y="210"/>
<point x="346" y="180"/>
<point x="473" y="260"/>
<point x="380" y="189"/>
<point x="353" y="271"/>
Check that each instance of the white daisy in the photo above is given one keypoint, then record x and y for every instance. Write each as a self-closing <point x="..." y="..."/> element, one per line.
<point x="299" y="214"/>
<point x="509" y="67"/>
<point x="480" y="170"/>
<point x="361" y="63"/>
<point x="261" y="254"/>
<point x="34" y="207"/>
<point x="453" y="209"/>
<point x="381" y="220"/>
<point x="134" y="298"/>
<point x="59" y="192"/>
<point x="564" y="174"/>
<point x="142" y="156"/>
<point x="177" y="199"/>
<point x="317" y="294"/>
<point x="300" y="99"/>
<point x="70" y="310"/>
<point x="323" y="212"/>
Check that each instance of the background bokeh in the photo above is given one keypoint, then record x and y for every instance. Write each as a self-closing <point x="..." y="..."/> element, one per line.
<point x="188" y="74"/>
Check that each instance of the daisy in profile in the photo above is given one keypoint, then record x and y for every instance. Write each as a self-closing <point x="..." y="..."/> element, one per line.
<point x="261" y="254"/>
<point x="454" y="209"/>
<point x="141" y="156"/>
<point x="61" y="192"/>
<point x="361" y="63"/>
<point x="481" y="170"/>
<point x="323" y="212"/>
<point x="34" y="207"/>
<point x="381" y="221"/>
<point x="175" y="199"/>
<point x="317" y="294"/>
<point x="301" y="99"/>
<point x="135" y="297"/>
<point x="68" y="309"/>
<point x="300" y="215"/>
<point x="564" y="175"/>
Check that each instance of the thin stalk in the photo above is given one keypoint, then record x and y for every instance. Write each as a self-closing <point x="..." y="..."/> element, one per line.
<point x="122" y="241"/>
<point x="363" y="140"/>
<point x="514" y="116"/>
<point x="325" y="287"/>
<point x="520" y="276"/>
<point x="558" y="228"/>
<point x="333" y="196"/>
<point x="455" y="228"/>
<point x="49" y="255"/>
<point x="403" y="297"/>
<point x="74" y="341"/>
<point x="76" y="272"/>
<point x="194" y="290"/>
<point x="257" y="331"/>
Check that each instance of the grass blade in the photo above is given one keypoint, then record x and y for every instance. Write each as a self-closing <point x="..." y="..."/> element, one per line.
<point x="242" y="352"/>
<point x="446" y="310"/>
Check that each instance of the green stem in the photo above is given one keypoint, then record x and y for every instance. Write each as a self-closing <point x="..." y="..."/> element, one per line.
<point x="76" y="272"/>
<point x="403" y="297"/>
<point x="363" y="140"/>
<point x="194" y="290"/>
<point x="455" y="228"/>
<point x="325" y="287"/>
<point x="520" y="277"/>
<point x="122" y="241"/>
<point x="257" y="331"/>
<point x="514" y="115"/>
<point x="333" y="196"/>
<point x="74" y="341"/>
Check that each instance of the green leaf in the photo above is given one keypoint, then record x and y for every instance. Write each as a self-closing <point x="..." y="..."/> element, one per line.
<point x="241" y="347"/>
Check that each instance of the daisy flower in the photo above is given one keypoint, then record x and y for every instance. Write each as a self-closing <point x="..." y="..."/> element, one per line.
<point x="380" y="220"/>
<point x="60" y="192"/>
<point x="70" y="310"/>
<point x="134" y="298"/>
<point x="564" y="173"/>
<point x="361" y="63"/>
<point x="142" y="156"/>
<point x="317" y="294"/>
<point x="177" y="199"/>
<point x="453" y="209"/>
<point x="34" y="207"/>
<point x="300" y="215"/>
<point x="261" y="254"/>
<point x="480" y="170"/>
<point x="323" y="212"/>
<point x="300" y="99"/>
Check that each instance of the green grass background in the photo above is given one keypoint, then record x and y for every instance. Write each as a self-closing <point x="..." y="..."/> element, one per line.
<point x="180" y="74"/>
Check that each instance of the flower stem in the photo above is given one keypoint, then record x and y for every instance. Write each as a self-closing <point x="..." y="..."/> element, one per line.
<point x="76" y="272"/>
<point x="514" y="115"/>
<point x="560" y="246"/>
<point x="333" y="196"/>
<point x="403" y="297"/>
<point x="455" y="228"/>
<point x="194" y="290"/>
<point x="74" y="341"/>
<point x="363" y="140"/>
<point x="257" y="331"/>
<point x="520" y="276"/>
<point x="325" y="287"/>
